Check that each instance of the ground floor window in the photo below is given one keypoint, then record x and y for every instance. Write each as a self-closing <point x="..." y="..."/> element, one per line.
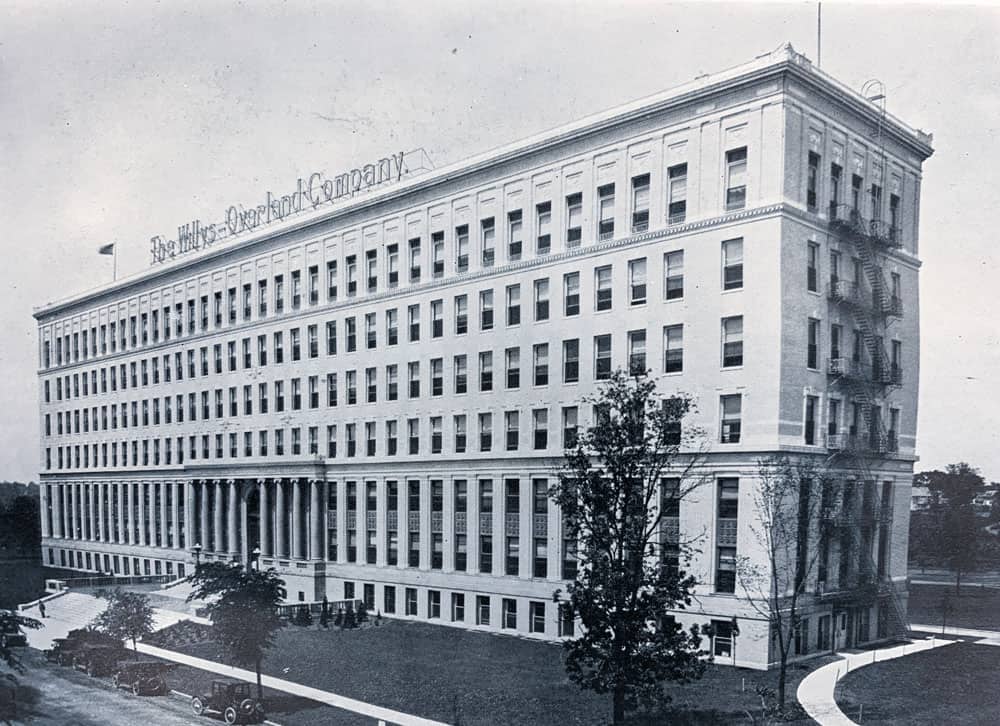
<point x="508" y="614"/>
<point x="801" y="637"/>
<point x="433" y="604"/>
<point x="864" y="625"/>
<point x="823" y="633"/>
<point x="348" y="590"/>
<point x="389" y="600"/>
<point x="722" y="638"/>
<point x="369" y="596"/>
<point x="567" y="624"/>
<point x="457" y="607"/>
<point x="536" y="617"/>
<point x="482" y="610"/>
<point x="411" y="601"/>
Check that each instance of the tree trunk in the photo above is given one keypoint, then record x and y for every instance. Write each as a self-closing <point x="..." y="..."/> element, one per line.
<point x="782" y="674"/>
<point x="619" y="705"/>
<point x="260" y="688"/>
<point x="134" y="647"/>
<point x="958" y="582"/>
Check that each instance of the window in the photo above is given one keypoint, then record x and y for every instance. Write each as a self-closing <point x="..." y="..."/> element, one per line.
<point x="513" y="305"/>
<point x="637" y="352"/>
<point x="413" y="312"/>
<point x="894" y="231"/>
<point x="413" y="435"/>
<point x="732" y="264"/>
<point x="331" y="337"/>
<point x="351" y="326"/>
<point x="640" y="203"/>
<point x="812" y="268"/>
<point x="602" y="357"/>
<point x="514" y="236"/>
<point x="512" y="358"/>
<point x="391" y="438"/>
<point x="574" y="220"/>
<point x="569" y="426"/>
<point x="461" y="437"/>
<point x="437" y="318"/>
<point x="392" y="253"/>
<point x="812" y="181"/>
<point x="540" y="426"/>
<point x="486" y="310"/>
<point x="437" y="254"/>
<point x="485" y="436"/>
<point x="732" y="341"/>
<point x="415" y="260"/>
<point x="351" y="379"/>
<point x="833" y="417"/>
<point x="543" y="219"/>
<point x="461" y="314"/>
<point x="458" y="603"/>
<point x="352" y="275"/>
<point x="571" y="360"/>
<point x="371" y="388"/>
<point x="676" y="194"/>
<point x="835" y="175"/>
<point x="876" y="202"/>
<point x="606" y="212"/>
<point x="370" y="331"/>
<point x="736" y="179"/>
<point x="413" y="369"/>
<point x="411" y="601"/>
<point x="812" y="405"/>
<point x="812" y="348"/>
<point x="437" y="438"/>
<point x="462" y="248"/>
<point x="437" y="376"/>
<point x="856" y="182"/>
<point x="731" y="418"/>
<point x="727" y="517"/>
<point x="512" y="427"/>
<point x="508" y="612"/>
<point x="602" y="288"/>
<point x="461" y="374"/>
<point x="571" y="293"/>
<point x="486" y="371"/>
<point x="541" y="363"/>
<point x="371" y="270"/>
<point x="488" y="230"/>
<point x="483" y="609"/>
<point x="673" y="271"/>
<point x="637" y="281"/>
<point x="673" y="348"/>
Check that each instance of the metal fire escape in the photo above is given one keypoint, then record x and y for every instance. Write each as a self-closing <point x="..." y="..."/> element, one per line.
<point x="866" y="376"/>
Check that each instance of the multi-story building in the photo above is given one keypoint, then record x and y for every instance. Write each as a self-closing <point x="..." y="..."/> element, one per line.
<point x="373" y="396"/>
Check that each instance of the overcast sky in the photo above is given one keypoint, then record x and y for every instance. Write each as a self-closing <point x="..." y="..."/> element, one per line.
<point x="119" y="122"/>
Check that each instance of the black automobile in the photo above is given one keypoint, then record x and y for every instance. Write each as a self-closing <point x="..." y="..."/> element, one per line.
<point x="98" y="660"/>
<point x="232" y="700"/>
<point x="10" y="632"/>
<point x="63" y="650"/>
<point x="142" y="677"/>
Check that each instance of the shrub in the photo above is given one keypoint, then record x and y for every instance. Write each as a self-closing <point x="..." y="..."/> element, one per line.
<point x="362" y="613"/>
<point x="349" y="619"/>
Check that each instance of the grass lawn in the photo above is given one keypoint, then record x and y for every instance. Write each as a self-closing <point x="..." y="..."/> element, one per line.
<point x="474" y="678"/>
<point x="954" y="684"/>
<point x="976" y="607"/>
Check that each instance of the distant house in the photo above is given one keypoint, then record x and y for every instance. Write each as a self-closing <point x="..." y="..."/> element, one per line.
<point x="920" y="499"/>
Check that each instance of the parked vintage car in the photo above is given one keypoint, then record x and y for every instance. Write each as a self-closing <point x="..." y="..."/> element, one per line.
<point x="142" y="677"/>
<point x="10" y="632"/>
<point x="64" y="649"/>
<point x="98" y="660"/>
<point x="232" y="700"/>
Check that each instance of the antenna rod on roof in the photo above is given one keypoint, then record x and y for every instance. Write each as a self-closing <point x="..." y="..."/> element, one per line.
<point x="819" y="34"/>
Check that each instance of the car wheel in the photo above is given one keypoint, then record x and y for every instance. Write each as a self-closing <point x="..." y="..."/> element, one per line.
<point x="135" y="689"/>
<point x="229" y="715"/>
<point x="3" y="641"/>
<point x="197" y="706"/>
<point x="114" y="681"/>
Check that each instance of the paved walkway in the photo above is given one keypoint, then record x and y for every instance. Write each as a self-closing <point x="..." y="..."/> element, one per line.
<point x="297" y="689"/>
<point x="816" y="691"/>
<point x="985" y="637"/>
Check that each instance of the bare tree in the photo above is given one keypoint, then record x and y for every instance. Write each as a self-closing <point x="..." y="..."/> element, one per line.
<point x="790" y="502"/>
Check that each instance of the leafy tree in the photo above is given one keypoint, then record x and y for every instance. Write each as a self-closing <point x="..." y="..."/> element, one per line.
<point x="128" y="616"/>
<point x="952" y="518"/>
<point x="13" y="622"/>
<point x="790" y="500"/>
<point x="243" y="608"/>
<point x="609" y="491"/>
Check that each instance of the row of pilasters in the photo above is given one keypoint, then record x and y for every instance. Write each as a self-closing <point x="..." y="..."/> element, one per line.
<point x="146" y="513"/>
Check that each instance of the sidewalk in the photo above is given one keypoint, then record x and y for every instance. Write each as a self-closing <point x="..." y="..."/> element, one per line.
<point x="986" y="637"/>
<point x="816" y="691"/>
<point x="296" y="689"/>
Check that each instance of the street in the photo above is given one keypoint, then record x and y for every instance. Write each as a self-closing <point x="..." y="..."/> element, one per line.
<point x="52" y="695"/>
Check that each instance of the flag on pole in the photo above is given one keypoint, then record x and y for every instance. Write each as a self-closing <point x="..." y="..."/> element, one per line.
<point x="108" y="249"/>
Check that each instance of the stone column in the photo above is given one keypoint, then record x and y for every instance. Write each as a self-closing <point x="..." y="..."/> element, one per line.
<point x="202" y="537"/>
<point x="175" y="513"/>
<point x="526" y="527"/>
<point x="448" y="524"/>
<point x="190" y="536"/>
<point x="100" y="513"/>
<point x="57" y="522"/>
<point x="232" y="502"/>
<point x="341" y="486"/>
<point x="472" y="525"/>
<point x="143" y="525"/>
<point x="44" y="506"/>
<point x="381" y="522"/>
<point x="425" y="524"/>
<point x="217" y="543"/>
<point x="88" y="511"/>
<point x="122" y="525"/>
<point x="265" y="518"/>
<point x="74" y="511"/>
<point x="279" y="516"/>
<point x="296" y="519"/>
<point x="316" y="515"/>
<point x="499" y="528"/>
<point x="164" y="486"/>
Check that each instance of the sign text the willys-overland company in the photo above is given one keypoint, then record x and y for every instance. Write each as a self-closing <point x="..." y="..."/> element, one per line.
<point x="310" y="192"/>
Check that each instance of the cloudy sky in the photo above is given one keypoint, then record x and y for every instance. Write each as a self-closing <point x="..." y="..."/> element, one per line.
<point x="120" y="121"/>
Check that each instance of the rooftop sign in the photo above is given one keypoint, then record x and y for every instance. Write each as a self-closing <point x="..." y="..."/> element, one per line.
<point x="310" y="193"/>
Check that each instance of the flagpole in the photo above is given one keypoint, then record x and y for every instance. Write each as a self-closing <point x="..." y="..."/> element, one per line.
<point x="114" y="263"/>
